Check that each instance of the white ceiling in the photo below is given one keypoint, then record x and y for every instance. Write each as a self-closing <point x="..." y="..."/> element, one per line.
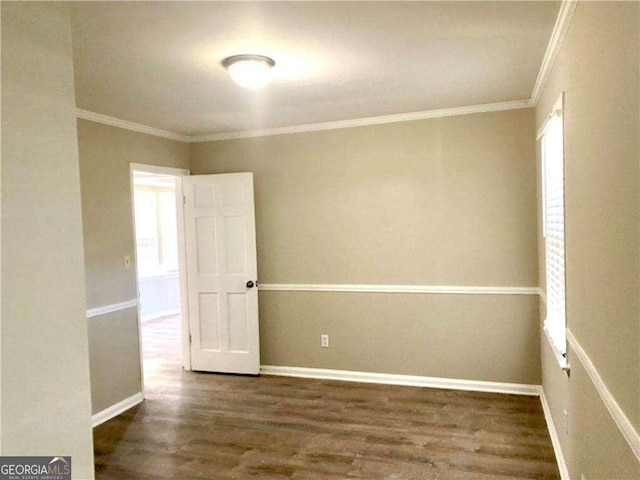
<point x="158" y="63"/>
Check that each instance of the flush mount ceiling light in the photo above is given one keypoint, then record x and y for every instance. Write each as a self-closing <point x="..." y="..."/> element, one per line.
<point x="250" y="71"/>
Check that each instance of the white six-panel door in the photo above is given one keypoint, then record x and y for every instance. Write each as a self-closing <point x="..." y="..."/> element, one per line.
<point x="222" y="273"/>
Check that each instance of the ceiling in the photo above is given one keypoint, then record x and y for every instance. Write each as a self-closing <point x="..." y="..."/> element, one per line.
<point x="158" y="63"/>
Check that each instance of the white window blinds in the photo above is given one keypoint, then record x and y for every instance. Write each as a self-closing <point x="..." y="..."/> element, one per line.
<point x="553" y="211"/>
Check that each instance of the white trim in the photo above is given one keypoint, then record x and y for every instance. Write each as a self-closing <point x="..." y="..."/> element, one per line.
<point x="555" y="439"/>
<point x="556" y="110"/>
<point x="311" y="127"/>
<point x="407" y="380"/>
<point x="175" y="172"/>
<point x="182" y="277"/>
<point x="558" y="34"/>
<point x="132" y="168"/>
<point x="136" y="127"/>
<point x="560" y="28"/>
<point x="360" y="122"/>
<point x="624" y="425"/>
<point x="553" y="47"/>
<point x="114" y="307"/>
<point x="437" y="289"/>
<point x="163" y="313"/>
<point x="115" y="410"/>
<point x="559" y="356"/>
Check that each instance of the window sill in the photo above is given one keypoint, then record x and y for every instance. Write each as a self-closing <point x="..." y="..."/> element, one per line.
<point x="560" y="357"/>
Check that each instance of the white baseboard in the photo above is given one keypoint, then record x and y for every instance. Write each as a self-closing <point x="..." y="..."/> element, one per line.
<point x="117" y="409"/>
<point x="555" y="440"/>
<point x="407" y="380"/>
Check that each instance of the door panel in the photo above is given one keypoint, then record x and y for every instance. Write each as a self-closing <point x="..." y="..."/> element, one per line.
<point x="221" y="260"/>
<point x="209" y="330"/>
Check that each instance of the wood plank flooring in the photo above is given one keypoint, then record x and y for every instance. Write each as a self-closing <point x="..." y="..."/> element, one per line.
<point x="195" y="425"/>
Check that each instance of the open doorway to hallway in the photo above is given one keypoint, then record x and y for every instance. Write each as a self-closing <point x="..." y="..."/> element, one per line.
<point x="157" y="238"/>
<point x="156" y="245"/>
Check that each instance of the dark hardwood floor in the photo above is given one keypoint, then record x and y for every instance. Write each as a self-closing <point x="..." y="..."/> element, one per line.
<point x="195" y="425"/>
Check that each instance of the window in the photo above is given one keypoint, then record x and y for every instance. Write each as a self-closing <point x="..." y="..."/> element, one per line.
<point x="552" y="146"/>
<point x="156" y="237"/>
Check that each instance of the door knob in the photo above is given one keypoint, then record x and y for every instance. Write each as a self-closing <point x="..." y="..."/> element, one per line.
<point x="250" y="284"/>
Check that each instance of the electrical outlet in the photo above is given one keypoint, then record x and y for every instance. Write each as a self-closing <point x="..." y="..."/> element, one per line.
<point x="324" y="340"/>
<point x="127" y="261"/>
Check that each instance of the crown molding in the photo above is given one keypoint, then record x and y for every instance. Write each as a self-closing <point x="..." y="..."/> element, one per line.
<point x="558" y="34"/>
<point x="311" y="127"/>
<point x="361" y="122"/>
<point x="553" y="48"/>
<point x="136" y="127"/>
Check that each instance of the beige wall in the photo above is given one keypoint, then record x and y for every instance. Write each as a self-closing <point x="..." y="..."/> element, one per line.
<point x="448" y="201"/>
<point x="105" y="155"/>
<point x="45" y="367"/>
<point x="486" y="338"/>
<point x="113" y="339"/>
<point x="598" y="70"/>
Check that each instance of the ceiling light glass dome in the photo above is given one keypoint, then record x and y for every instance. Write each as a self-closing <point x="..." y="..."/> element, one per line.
<point x="249" y="71"/>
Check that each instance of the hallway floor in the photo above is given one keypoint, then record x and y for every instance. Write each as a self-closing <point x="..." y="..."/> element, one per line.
<point x="197" y="425"/>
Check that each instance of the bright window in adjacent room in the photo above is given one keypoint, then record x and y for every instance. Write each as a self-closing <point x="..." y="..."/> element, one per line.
<point x="552" y="150"/>
<point x="155" y="217"/>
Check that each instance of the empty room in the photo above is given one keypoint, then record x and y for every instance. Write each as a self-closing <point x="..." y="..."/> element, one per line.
<point x="320" y="240"/>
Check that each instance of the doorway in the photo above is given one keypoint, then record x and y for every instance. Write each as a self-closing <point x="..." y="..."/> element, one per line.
<point x="204" y="237"/>
<point x="156" y="194"/>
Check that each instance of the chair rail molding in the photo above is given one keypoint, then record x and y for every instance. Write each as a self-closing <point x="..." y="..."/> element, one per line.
<point x="617" y="414"/>
<point x="114" y="307"/>
<point x="425" y="289"/>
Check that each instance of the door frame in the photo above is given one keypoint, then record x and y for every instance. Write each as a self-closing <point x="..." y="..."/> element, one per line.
<point x="182" y="258"/>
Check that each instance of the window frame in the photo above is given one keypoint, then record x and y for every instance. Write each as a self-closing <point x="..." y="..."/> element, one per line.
<point x="558" y="345"/>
